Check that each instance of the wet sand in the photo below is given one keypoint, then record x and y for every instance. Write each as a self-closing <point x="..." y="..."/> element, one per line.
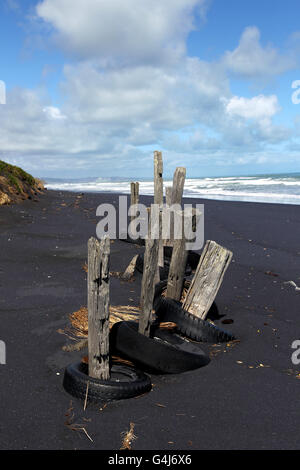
<point x="246" y="398"/>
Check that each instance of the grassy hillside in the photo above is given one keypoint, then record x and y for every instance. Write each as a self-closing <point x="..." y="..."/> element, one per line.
<point x="17" y="185"/>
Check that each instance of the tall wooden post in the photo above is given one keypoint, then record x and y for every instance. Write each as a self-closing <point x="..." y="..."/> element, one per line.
<point x="159" y="199"/>
<point x="178" y="185"/>
<point x="177" y="266"/>
<point x="98" y="307"/>
<point x="148" y="282"/>
<point x="134" y="187"/>
<point x="168" y="190"/>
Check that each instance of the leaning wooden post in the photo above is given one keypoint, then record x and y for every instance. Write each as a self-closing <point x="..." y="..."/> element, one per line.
<point x="159" y="198"/>
<point x="148" y="283"/>
<point x="134" y="195"/>
<point x="98" y="307"/>
<point x="207" y="280"/>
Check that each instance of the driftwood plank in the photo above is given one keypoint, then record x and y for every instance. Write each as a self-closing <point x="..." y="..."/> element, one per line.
<point x="128" y="273"/>
<point x="98" y="307"/>
<point x="212" y="266"/>
<point x="148" y="283"/>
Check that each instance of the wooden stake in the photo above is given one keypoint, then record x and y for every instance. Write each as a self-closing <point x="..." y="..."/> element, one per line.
<point x="177" y="266"/>
<point x="174" y="196"/>
<point x="148" y="284"/>
<point x="134" y="195"/>
<point x="178" y="185"/>
<point x="98" y="307"/>
<point x="159" y="198"/>
<point x="168" y="190"/>
<point x="158" y="179"/>
<point x="208" y="278"/>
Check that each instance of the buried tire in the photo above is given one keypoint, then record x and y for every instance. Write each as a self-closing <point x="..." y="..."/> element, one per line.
<point x="125" y="382"/>
<point x="161" y="287"/>
<point x="162" y="352"/>
<point x="189" y="325"/>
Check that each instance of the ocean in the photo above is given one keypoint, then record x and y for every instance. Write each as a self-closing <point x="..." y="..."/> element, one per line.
<point x="273" y="188"/>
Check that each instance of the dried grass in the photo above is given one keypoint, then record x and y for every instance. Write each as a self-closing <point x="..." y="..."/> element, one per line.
<point x="79" y="319"/>
<point x="183" y="295"/>
<point x="129" y="437"/>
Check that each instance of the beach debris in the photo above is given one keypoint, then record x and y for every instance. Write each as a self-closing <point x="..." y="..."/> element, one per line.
<point x="207" y="280"/>
<point x="270" y="273"/>
<point x="79" y="319"/>
<point x="292" y="283"/>
<point x="128" y="273"/>
<point x="227" y="321"/>
<point x="69" y="422"/>
<point x="86" y="395"/>
<point x="128" y="438"/>
<point x="78" y="346"/>
<point x="85" y="267"/>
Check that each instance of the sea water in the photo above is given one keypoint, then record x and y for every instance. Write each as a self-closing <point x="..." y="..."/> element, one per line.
<point x="275" y="188"/>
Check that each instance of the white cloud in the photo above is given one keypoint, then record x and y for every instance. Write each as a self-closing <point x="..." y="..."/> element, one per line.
<point x="53" y="113"/>
<point x="259" y="107"/>
<point x="134" y="86"/>
<point x="131" y="30"/>
<point x="251" y="60"/>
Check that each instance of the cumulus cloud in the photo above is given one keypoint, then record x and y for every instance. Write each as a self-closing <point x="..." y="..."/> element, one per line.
<point x="259" y="107"/>
<point x="132" y="85"/>
<point x="53" y="112"/>
<point x="130" y="31"/>
<point x="251" y="60"/>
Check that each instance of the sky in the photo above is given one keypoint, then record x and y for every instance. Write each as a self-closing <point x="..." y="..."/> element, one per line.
<point x="93" y="87"/>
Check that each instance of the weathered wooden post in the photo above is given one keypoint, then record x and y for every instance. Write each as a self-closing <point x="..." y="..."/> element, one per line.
<point x="98" y="307"/>
<point x="159" y="199"/>
<point x="210" y="271"/>
<point x="174" y="196"/>
<point x="134" y="195"/>
<point x="148" y="281"/>
<point x="178" y="264"/>
<point x="168" y="190"/>
<point x="178" y="185"/>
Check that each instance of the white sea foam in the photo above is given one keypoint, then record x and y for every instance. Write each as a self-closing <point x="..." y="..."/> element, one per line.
<point x="284" y="189"/>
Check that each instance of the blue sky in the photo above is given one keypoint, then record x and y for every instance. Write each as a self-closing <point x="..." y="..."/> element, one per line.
<point x="93" y="87"/>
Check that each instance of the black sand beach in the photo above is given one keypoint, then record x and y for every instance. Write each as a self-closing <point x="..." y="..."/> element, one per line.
<point x="246" y="398"/>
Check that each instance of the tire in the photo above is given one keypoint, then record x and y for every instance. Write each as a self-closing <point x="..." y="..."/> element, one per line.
<point x="163" y="352"/>
<point x="163" y="271"/>
<point x="187" y="324"/>
<point x="162" y="285"/>
<point x="131" y="383"/>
